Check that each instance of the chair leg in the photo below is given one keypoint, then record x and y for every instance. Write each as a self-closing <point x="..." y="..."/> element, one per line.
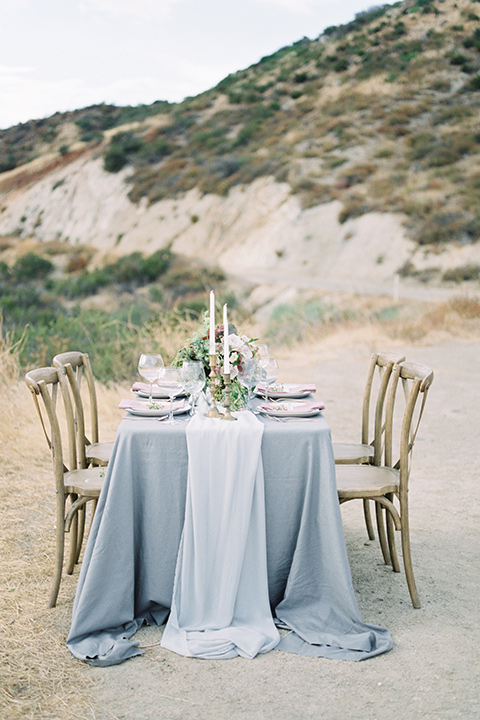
<point x="381" y="534"/>
<point x="92" y="514"/>
<point x="73" y="544"/>
<point x="81" y="531"/>
<point x="407" y="561"/>
<point x="391" y="538"/>
<point x="368" y="519"/>
<point x="59" y="552"/>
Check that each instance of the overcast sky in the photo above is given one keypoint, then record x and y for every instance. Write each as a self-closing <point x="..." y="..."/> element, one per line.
<point x="58" y="55"/>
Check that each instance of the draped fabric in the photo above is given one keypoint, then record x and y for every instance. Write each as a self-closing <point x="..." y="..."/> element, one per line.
<point x="220" y="605"/>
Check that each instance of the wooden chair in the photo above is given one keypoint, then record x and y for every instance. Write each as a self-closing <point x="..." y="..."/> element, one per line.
<point x="74" y="365"/>
<point x="369" y="451"/>
<point x="387" y="484"/>
<point x="75" y="484"/>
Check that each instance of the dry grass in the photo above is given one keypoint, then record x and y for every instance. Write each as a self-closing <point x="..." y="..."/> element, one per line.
<point x="40" y="679"/>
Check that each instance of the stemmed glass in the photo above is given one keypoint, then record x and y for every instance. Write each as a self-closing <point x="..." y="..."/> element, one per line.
<point x="247" y="376"/>
<point x="193" y="375"/>
<point x="170" y="380"/>
<point x="263" y="351"/>
<point x="149" y="366"/>
<point x="269" y="372"/>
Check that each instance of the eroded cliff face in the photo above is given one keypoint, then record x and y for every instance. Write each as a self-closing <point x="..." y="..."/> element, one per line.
<point x="257" y="229"/>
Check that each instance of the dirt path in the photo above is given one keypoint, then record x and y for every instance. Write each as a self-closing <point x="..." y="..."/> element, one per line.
<point x="433" y="670"/>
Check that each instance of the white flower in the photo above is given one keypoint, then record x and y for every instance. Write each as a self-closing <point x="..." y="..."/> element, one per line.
<point x="241" y="345"/>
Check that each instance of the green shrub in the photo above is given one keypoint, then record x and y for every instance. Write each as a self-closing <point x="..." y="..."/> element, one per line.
<point x="473" y="84"/>
<point x="458" y="59"/>
<point x="5" y="273"/>
<point x="32" y="267"/>
<point x="293" y="323"/>
<point x="462" y="274"/>
<point x="352" y="208"/>
<point x="341" y="65"/>
<point x="118" y="153"/>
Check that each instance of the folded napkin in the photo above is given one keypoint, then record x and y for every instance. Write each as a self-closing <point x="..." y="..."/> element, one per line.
<point x="128" y="404"/>
<point x="299" y="407"/>
<point x="144" y="387"/>
<point x="263" y="387"/>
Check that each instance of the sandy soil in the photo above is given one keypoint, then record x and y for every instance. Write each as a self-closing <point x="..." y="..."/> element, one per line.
<point x="433" y="669"/>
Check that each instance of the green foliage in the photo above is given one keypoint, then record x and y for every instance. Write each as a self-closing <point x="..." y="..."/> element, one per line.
<point x="31" y="267"/>
<point x="134" y="269"/>
<point x="353" y="207"/>
<point x="462" y="274"/>
<point x="35" y="311"/>
<point x="121" y="147"/>
<point x="441" y="227"/>
<point x="293" y="323"/>
<point x="473" y="84"/>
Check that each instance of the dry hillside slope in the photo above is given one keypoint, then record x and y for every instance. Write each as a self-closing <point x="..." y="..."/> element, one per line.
<point x="352" y="156"/>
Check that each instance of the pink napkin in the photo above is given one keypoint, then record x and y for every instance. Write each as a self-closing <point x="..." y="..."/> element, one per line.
<point x="311" y="388"/>
<point x="302" y="407"/>
<point x="145" y="387"/>
<point x="137" y="405"/>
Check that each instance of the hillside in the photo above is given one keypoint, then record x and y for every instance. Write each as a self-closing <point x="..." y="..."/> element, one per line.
<point x="353" y="156"/>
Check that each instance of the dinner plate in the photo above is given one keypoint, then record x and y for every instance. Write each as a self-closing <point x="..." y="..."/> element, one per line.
<point x="289" y="391"/>
<point x="158" y="412"/>
<point x="290" y="409"/>
<point x="156" y="394"/>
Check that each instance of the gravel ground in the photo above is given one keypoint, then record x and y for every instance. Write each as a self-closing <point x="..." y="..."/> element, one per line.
<point x="433" y="669"/>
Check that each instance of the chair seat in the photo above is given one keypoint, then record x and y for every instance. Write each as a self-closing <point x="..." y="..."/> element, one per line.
<point x="351" y="453"/>
<point x="365" y="481"/>
<point x="99" y="453"/>
<point x="86" y="483"/>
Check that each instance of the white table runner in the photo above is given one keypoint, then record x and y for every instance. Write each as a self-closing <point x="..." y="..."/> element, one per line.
<point x="220" y="605"/>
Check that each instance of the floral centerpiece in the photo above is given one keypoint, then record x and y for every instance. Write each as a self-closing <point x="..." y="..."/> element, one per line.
<point x="242" y="348"/>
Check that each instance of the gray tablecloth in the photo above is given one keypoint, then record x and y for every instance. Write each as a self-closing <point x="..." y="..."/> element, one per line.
<point x="128" y="569"/>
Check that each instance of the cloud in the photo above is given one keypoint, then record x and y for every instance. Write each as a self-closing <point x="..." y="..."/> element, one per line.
<point x="303" y="7"/>
<point x="141" y="9"/>
<point x="7" y="7"/>
<point x="15" y="70"/>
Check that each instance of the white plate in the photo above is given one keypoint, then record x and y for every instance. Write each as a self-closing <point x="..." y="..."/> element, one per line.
<point x="158" y="412"/>
<point x="156" y="394"/>
<point x="288" y="392"/>
<point x="290" y="409"/>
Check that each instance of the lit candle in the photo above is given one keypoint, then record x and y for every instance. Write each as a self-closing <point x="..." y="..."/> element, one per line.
<point x="226" y="350"/>
<point x="212" y="323"/>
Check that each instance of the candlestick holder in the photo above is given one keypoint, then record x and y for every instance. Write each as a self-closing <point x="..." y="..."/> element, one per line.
<point x="228" y="415"/>
<point x="213" y="412"/>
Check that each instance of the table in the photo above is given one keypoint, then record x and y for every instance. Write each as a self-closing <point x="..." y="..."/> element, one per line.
<point x="129" y="565"/>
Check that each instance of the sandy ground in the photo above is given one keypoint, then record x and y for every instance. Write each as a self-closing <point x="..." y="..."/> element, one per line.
<point x="433" y="669"/>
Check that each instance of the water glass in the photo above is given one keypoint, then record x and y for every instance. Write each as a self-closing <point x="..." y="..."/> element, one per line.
<point x="170" y="381"/>
<point x="149" y="366"/>
<point x="269" y="372"/>
<point x="193" y="375"/>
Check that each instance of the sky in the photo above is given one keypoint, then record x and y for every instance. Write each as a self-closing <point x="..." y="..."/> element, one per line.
<point x="59" y="55"/>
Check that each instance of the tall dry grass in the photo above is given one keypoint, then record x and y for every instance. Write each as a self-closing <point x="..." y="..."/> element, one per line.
<point x="39" y="678"/>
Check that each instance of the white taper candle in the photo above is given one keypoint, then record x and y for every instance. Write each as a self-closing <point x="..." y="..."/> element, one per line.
<point x="212" y="323"/>
<point x="226" y="349"/>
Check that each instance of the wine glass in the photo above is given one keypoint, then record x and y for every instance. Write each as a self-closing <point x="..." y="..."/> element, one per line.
<point x="262" y="351"/>
<point x="247" y="376"/>
<point x="193" y="375"/>
<point x="170" y="381"/>
<point x="148" y="367"/>
<point x="269" y="372"/>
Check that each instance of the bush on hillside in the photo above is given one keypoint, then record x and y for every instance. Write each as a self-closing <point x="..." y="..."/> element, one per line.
<point x="31" y="267"/>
